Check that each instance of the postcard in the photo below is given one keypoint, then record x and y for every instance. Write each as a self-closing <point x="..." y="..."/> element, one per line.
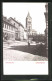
<point x="25" y="38"/>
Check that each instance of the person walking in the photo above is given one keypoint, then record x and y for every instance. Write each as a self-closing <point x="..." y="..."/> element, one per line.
<point x="28" y="43"/>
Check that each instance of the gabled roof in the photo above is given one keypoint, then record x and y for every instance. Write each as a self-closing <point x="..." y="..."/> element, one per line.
<point x="16" y="21"/>
<point x="13" y="20"/>
<point x="6" y="20"/>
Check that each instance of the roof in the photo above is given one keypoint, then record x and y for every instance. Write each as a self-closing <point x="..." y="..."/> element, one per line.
<point x="16" y="21"/>
<point x="33" y="30"/>
<point x="7" y="21"/>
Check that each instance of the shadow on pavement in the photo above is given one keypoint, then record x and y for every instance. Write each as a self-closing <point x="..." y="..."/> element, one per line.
<point x="33" y="49"/>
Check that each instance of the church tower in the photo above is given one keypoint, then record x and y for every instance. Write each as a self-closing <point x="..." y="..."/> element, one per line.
<point x="29" y="24"/>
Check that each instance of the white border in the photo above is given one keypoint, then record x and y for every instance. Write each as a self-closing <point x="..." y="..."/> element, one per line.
<point x="25" y="68"/>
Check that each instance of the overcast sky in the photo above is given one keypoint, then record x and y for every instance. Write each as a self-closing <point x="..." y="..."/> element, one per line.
<point x="20" y="11"/>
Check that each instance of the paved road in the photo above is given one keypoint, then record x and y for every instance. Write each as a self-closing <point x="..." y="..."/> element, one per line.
<point x="16" y="55"/>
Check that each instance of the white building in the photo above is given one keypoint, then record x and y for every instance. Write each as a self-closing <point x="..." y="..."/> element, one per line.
<point x="34" y="32"/>
<point x="19" y="32"/>
<point x="8" y="30"/>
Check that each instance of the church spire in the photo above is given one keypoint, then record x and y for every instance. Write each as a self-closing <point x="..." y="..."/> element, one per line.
<point x="28" y="15"/>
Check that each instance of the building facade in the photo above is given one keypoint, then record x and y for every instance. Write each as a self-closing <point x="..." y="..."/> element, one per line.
<point x="19" y="31"/>
<point x="34" y="33"/>
<point x="46" y="30"/>
<point x="12" y="29"/>
<point x="30" y="32"/>
<point x="8" y="30"/>
<point x="14" y="22"/>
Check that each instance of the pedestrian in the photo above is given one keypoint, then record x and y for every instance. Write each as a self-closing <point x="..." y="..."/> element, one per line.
<point x="28" y="43"/>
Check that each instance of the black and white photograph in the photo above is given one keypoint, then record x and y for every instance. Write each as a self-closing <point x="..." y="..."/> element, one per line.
<point x="25" y="38"/>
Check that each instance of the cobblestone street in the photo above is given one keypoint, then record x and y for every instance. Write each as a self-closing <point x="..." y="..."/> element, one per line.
<point x="10" y="54"/>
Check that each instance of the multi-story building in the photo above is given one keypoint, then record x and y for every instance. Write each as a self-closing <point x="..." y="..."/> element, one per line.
<point x="12" y="29"/>
<point x="19" y="32"/>
<point x="46" y="30"/>
<point x="8" y="30"/>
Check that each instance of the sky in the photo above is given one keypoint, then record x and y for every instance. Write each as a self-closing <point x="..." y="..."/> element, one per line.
<point x="19" y="11"/>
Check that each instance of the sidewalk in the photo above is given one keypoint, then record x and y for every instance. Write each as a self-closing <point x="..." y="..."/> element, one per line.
<point x="18" y="54"/>
<point x="15" y="55"/>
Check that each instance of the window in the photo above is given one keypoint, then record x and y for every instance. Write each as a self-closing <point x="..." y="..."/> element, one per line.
<point x="29" y="22"/>
<point x="4" y="25"/>
<point x="8" y="26"/>
<point x="11" y="35"/>
<point x="11" y="27"/>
